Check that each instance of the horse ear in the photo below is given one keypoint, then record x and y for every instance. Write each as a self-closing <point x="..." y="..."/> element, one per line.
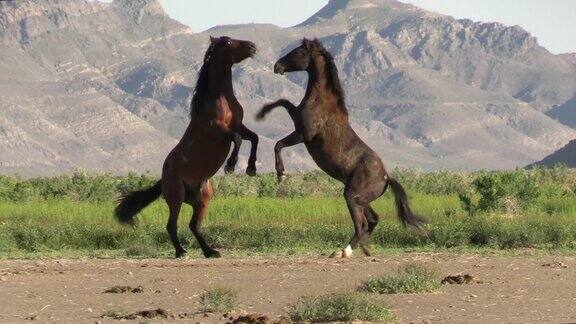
<point x="213" y="39"/>
<point x="307" y="43"/>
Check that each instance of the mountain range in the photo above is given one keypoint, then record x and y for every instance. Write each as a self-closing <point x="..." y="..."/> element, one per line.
<point x="565" y="156"/>
<point x="107" y="86"/>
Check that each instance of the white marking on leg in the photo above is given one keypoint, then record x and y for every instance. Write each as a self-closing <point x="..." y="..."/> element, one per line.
<point x="347" y="251"/>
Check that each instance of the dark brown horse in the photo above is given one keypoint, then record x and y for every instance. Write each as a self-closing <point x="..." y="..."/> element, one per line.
<point x="321" y="122"/>
<point x="216" y="123"/>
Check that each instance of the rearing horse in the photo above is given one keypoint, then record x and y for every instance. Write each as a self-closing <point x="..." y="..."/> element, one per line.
<point x="216" y="123"/>
<point x="321" y="122"/>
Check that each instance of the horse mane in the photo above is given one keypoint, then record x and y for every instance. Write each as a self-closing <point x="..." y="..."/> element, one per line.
<point x="201" y="90"/>
<point x="333" y="79"/>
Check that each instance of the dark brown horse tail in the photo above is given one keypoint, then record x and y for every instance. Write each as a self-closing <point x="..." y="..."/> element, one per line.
<point x="131" y="204"/>
<point x="406" y="215"/>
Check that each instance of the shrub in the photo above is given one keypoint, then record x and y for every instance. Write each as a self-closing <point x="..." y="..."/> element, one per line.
<point x="219" y="300"/>
<point x="342" y="307"/>
<point x="410" y="279"/>
<point x="517" y="191"/>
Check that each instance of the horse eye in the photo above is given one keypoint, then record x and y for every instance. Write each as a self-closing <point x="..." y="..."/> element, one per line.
<point x="228" y="43"/>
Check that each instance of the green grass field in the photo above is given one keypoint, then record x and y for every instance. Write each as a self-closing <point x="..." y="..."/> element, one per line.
<point x="504" y="210"/>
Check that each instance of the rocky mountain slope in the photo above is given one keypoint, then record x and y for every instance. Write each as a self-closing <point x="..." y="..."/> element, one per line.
<point x="89" y="85"/>
<point x="565" y="156"/>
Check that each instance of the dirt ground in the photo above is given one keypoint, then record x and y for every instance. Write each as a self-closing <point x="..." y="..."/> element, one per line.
<point x="518" y="289"/>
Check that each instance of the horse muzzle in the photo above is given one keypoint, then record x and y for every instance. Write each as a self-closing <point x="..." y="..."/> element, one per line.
<point x="279" y="68"/>
<point x="253" y="49"/>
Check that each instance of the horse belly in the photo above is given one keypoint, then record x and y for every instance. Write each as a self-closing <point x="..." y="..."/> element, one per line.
<point x="205" y="160"/>
<point x="328" y="161"/>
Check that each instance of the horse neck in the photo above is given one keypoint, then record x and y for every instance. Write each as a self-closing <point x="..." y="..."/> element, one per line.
<point x="220" y="79"/>
<point x="317" y="78"/>
<point x="319" y="87"/>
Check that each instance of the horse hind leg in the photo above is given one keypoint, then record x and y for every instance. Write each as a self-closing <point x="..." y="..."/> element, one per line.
<point x="372" y="217"/>
<point x="361" y="190"/>
<point x="174" y="197"/>
<point x="356" y="210"/>
<point x="200" y="202"/>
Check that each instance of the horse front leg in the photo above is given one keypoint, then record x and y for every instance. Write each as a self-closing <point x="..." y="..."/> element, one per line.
<point x="233" y="159"/>
<point x="249" y="135"/>
<point x="236" y="140"/>
<point x="290" y="107"/>
<point x="290" y="140"/>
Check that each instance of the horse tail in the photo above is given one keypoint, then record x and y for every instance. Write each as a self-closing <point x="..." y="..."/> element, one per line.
<point x="132" y="203"/>
<point x="405" y="214"/>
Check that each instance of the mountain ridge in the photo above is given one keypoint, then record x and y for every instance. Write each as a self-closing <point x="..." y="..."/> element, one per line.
<point x="564" y="156"/>
<point x="425" y="90"/>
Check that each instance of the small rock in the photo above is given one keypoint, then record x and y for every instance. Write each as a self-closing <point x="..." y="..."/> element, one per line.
<point x="124" y="289"/>
<point x="555" y="264"/>
<point x="460" y="279"/>
<point x="155" y="313"/>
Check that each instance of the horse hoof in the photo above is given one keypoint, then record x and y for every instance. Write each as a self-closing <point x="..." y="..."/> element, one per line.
<point x="337" y="255"/>
<point x="212" y="254"/>
<point x="366" y="251"/>
<point x="251" y="171"/>
<point x="281" y="177"/>
<point x="229" y="169"/>
<point x="181" y="254"/>
<point x="346" y="253"/>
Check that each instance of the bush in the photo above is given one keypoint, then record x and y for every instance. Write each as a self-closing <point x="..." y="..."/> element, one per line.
<point x="79" y="186"/>
<point x="518" y="191"/>
<point x="340" y="307"/>
<point x="436" y="182"/>
<point x="219" y="300"/>
<point x="410" y="279"/>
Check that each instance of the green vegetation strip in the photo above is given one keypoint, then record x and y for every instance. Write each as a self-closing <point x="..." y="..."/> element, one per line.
<point x="72" y="215"/>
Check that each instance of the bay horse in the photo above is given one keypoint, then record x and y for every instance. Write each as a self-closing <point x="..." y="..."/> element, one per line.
<point x="321" y="122"/>
<point x="216" y="123"/>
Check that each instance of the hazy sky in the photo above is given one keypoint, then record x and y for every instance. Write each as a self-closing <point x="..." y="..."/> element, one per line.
<point x="203" y="14"/>
<point x="552" y="21"/>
